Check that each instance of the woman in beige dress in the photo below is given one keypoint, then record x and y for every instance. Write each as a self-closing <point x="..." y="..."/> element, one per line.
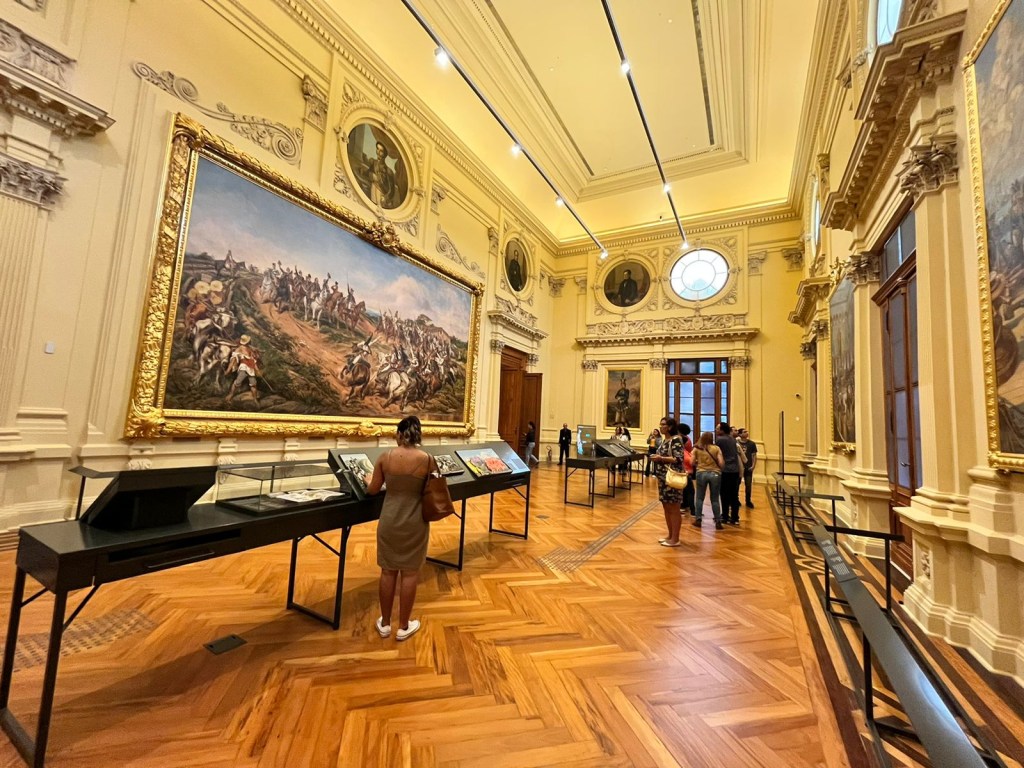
<point x="401" y="534"/>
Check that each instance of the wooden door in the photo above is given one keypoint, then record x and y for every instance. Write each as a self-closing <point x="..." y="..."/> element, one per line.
<point x="531" y="406"/>
<point x="510" y="397"/>
<point x="902" y="429"/>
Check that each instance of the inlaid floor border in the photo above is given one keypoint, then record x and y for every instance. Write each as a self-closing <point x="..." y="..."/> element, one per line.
<point x="568" y="560"/>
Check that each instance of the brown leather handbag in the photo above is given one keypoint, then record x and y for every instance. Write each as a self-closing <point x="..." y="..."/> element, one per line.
<point x="437" y="502"/>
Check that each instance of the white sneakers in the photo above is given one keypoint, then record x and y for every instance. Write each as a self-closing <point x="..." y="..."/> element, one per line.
<point x="413" y="628"/>
<point x="384" y="630"/>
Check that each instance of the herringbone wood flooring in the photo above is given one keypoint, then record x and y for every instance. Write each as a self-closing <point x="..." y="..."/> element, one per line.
<point x="588" y="645"/>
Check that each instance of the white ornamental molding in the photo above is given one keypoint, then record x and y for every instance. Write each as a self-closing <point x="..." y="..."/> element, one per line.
<point x="447" y="248"/>
<point x="533" y="360"/>
<point x="33" y="79"/>
<point x="657" y="363"/>
<point x="28" y="182"/>
<point x="820" y="328"/>
<point x="672" y="329"/>
<point x="515" y="318"/>
<point x="740" y="361"/>
<point x="864" y="268"/>
<point x="412" y="226"/>
<point x="809" y="350"/>
<point x="316" y="103"/>
<point x="795" y="258"/>
<point x="30" y="55"/>
<point x="589" y="365"/>
<point x="931" y="166"/>
<point x="276" y="138"/>
<point x="437" y="194"/>
<point x="581" y="283"/>
<point x="555" y="286"/>
<point x="341" y="183"/>
<point x="492" y="242"/>
<point x="497" y="346"/>
<point x="755" y="262"/>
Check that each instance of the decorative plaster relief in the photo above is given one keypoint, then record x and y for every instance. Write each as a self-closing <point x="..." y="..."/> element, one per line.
<point x="29" y="182"/>
<point x="671" y="324"/>
<point x="924" y="565"/>
<point x="497" y="346"/>
<point x="515" y="318"/>
<point x="755" y="262"/>
<point x="533" y="360"/>
<point x="820" y="328"/>
<point x="824" y="163"/>
<point x="731" y="297"/>
<point x="740" y="361"/>
<point x="341" y="183"/>
<point x="412" y="226"/>
<point x="589" y="365"/>
<point x="581" y="283"/>
<point x="865" y="268"/>
<point x="930" y="166"/>
<point x="809" y="350"/>
<point x="447" y="248"/>
<point x="555" y="285"/>
<point x="33" y="5"/>
<point x="492" y="242"/>
<point x="514" y="310"/>
<point x="437" y="194"/>
<point x="657" y="363"/>
<point x="794" y="257"/>
<point x="316" y="103"/>
<point x="134" y="465"/>
<point x="31" y="55"/>
<point x="284" y="142"/>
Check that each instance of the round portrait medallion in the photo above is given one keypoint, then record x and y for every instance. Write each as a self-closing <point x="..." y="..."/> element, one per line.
<point x="516" y="268"/>
<point x="627" y="283"/>
<point x="378" y="165"/>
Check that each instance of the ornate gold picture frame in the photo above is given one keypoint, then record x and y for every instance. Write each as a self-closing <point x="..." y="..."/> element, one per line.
<point x="272" y="311"/>
<point x="623" y="397"/>
<point x="994" y="74"/>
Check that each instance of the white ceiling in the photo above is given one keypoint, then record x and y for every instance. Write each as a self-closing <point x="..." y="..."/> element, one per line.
<point x="726" y="131"/>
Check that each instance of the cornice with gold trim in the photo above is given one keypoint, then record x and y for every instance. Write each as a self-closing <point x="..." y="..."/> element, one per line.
<point x="809" y="293"/>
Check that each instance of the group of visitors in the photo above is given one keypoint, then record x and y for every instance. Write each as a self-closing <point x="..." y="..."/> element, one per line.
<point x="713" y="467"/>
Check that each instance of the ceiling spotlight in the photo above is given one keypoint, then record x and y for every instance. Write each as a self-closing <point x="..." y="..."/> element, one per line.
<point x="441" y="57"/>
<point x="604" y="254"/>
<point x="516" y="149"/>
<point x="624" y="66"/>
<point x="686" y="244"/>
<point x="667" y="188"/>
<point x="559" y="202"/>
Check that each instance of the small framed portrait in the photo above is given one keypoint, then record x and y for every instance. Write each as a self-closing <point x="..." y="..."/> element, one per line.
<point x="379" y="167"/>
<point x="516" y="265"/>
<point x="627" y="283"/>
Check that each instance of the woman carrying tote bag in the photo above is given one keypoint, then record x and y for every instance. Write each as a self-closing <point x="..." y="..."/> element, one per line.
<point x="669" y="456"/>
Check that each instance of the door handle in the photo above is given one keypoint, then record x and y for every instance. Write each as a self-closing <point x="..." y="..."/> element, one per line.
<point x="904" y="464"/>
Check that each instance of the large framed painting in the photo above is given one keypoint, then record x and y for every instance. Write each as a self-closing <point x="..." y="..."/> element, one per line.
<point x="994" y="73"/>
<point x="622" y="397"/>
<point x="840" y="308"/>
<point x="272" y="311"/>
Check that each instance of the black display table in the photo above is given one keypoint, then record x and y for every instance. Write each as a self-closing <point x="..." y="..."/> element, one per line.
<point x="590" y="464"/>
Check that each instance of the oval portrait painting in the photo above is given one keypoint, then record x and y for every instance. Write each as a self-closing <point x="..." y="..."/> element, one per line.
<point x="515" y="265"/>
<point x="378" y="166"/>
<point x="627" y="283"/>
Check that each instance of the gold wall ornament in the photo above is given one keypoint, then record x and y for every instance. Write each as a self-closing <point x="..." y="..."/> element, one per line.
<point x="244" y="343"/>
<point x="997" y="184"/>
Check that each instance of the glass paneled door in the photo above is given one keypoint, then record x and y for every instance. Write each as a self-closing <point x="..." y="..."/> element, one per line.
<point x="897" y="300"/>
<point x="698" y="392"/>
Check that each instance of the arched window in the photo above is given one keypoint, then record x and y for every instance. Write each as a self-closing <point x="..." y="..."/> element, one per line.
<point x="887" y="20"/>
<point x="699" y="274"/>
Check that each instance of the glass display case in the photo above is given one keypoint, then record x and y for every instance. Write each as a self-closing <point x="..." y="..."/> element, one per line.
<point x="264" y="489"/>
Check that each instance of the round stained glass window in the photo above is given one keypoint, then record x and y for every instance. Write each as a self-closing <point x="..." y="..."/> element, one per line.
<point x="699" y="275"/>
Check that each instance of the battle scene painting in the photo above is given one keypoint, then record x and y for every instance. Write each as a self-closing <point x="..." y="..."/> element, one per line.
<point x="283" y="314"/>
<point x="997" y="157"/>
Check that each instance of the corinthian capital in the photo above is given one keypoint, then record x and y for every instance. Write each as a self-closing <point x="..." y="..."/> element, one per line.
<point x="865" y="268"/>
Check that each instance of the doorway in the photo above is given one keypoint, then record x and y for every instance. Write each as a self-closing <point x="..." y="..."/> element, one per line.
<point x="518" y="400"/>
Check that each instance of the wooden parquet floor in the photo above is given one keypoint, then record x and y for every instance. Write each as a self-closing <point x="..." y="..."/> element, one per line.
<point x="587" y="646"/>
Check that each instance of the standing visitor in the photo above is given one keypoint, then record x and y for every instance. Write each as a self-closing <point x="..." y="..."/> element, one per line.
<point x="730" y="475"/>
<point x="564" y="438"/>
<point x="669" y="454"/>
<point x="688" y="492"/>
<point x="653" y="441"/>
<point x="401" y="533"/>
<point x="709" y="461"/>
<point x="750" y="451"/>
